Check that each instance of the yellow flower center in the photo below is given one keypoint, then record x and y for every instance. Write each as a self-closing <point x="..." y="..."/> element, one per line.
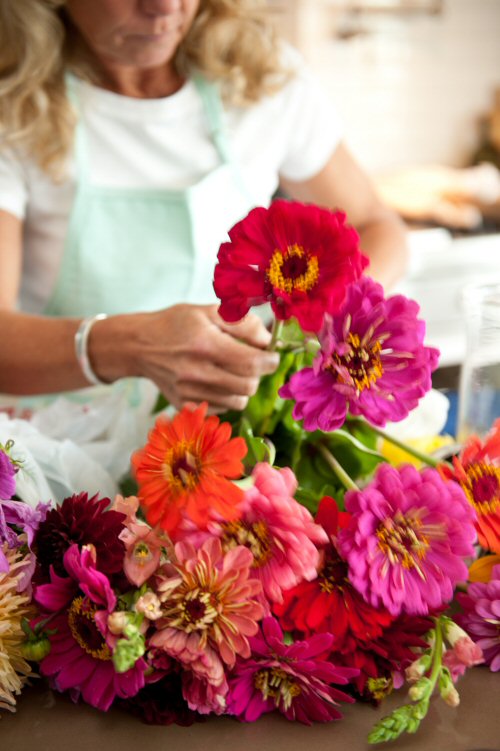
<point x="482" y="487"/>
<point x="293" y="270"/>
<point x="276" y="684"/>
<point x="333" y="576"/>
<point x="253" y="536"/>
<point x="82" y="625"/>
<point x="403" y="541"/>
<point x="362" y="362"/>
<point x="181" y="467"/>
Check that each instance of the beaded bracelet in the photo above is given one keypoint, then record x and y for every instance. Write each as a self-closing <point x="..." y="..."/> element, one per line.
<point x="81" y="348"/>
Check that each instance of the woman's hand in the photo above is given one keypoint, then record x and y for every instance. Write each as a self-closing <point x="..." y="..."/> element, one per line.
<point x="191" y="354"/>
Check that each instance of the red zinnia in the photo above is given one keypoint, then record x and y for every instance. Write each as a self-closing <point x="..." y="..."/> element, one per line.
<point x="298" y="257"/>
<point x="477" y="470"/>
<point x="184" y="469"/>
<point x="330" y="603"/>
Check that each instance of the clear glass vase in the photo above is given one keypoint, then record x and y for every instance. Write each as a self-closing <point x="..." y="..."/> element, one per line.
<point x="479" y="391"/>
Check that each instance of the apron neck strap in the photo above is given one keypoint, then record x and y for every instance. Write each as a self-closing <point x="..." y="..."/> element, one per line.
<point x="212" y="104"/>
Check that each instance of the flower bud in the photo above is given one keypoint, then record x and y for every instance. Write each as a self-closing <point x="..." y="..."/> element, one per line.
<point x="36" y="649"/>
<point x="117" y="622"/>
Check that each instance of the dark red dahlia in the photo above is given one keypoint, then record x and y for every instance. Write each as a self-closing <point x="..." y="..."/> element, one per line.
<point x="84" y="521"/>
<point x="162" y="703"/>
<point x="385" y="658"/>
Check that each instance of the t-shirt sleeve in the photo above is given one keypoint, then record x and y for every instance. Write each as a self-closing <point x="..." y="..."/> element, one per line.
<point x="13" y="184"/>
<point x="313" y="125"/>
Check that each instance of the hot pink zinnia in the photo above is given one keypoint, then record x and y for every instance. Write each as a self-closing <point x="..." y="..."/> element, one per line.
<point x="372" y="362"/>
<point x="81" y="649"/>
<point x="406" y="540"/>
<point x="295" y="679"/>
<point x="300" y="258"/>
<point x="481" y="617"/>
<point x="279" y="532"/>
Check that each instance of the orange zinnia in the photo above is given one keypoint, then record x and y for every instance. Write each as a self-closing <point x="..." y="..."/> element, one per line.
<point x="183" y="469"/>
<point x="477" y="469"/>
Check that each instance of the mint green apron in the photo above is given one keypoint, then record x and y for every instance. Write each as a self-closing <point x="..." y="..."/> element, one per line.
<point x="132" y="250"/>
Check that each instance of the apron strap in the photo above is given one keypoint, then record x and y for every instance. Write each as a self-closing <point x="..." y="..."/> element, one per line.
<point x="80" y="150"/>
<point x="215" y="116"/>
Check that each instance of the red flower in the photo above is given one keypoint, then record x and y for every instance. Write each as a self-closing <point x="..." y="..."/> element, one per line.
<point x="184" y="469"/>
<point x="477" y="470"/>
<point x="298" y="257"/>
<point x="330" y="603"/>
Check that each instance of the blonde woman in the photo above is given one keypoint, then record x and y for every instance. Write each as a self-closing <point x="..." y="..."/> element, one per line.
<point x="133" y="134"/>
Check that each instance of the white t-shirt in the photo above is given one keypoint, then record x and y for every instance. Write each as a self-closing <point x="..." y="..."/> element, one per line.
<point x="138" y="143"/>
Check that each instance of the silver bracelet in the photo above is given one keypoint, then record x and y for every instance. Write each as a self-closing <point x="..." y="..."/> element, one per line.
<point x="81" y="348"/>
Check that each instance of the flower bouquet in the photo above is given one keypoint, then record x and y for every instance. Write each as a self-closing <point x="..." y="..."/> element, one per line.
<point x="272" y="559"/>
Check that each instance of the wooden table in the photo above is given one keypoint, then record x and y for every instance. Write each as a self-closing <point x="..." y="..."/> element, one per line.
<point x="50" y="722"/>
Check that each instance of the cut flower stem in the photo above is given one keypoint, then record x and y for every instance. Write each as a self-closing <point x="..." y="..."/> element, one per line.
<point x="340" y="472"/>
<point x="425" y="458"/>
<point x="275" y="335"/>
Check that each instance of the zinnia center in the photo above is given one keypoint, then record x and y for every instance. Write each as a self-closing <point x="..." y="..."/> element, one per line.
<point x="181" y="467"/>
<point x="333" y="575"/>
<point x="83" y="627"/>
<point x="361" y="365"/>
<point x="482" y="487"/>
<point x="197" y="611"/>
<point x="275" y="683"/>
<point x="402" y="540"/>
<point x="293" y="270"/>
<point x="254" y="536"/>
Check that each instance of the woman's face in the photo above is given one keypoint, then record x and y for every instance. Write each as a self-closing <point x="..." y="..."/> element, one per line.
<point x="133" y="33"/>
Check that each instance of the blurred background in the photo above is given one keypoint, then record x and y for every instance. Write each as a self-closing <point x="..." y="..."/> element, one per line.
<point x="417" y="84"/>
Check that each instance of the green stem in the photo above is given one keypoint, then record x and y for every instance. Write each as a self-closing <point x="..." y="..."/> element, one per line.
<point x="425" y="458"/>
<point x="340" y="472"/>
<point x="437" y="656"/>
<point x="275" y="334"/>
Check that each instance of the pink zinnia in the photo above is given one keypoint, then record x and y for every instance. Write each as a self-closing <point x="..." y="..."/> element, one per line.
<point x="406" y="540"/>
<point x="300" y="258"/>
<point x="372" y="362"/>
<point x="481" y="617"/>
<point x="295" y="679"/>
<point x="279" y="532"/>
<point x="7" y="475"/>
<point x="208" y="600"/>
<point x="81" y="649"/>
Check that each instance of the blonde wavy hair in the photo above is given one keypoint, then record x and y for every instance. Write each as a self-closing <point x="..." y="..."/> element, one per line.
<point x="230" y="41"/>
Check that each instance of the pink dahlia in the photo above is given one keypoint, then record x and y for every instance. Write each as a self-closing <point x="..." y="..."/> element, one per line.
<point x="7" y="475"/>
<point x="298" y="257"/>
<point x="481" y="617"/>
<point x="372" y="362"/>
<point x="279" y="532"/>
<point x="208" y="600"/>
<point x="295" y="679"/>
<point x="406" y="540"/>
<point x="81" y="649"/>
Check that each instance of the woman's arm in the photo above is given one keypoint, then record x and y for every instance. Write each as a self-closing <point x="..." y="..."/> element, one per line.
<point x="187" y="350"/>
<point x="342" y="184"/>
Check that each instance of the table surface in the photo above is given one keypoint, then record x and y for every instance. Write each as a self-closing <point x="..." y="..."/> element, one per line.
<point x="50" y="722"/>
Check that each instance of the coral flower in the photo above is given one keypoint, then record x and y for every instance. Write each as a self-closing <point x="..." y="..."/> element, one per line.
<point x="14" y="606"/>
<point x="477" y="469"/>
<point x="372" y="362"/>
<point x="295" y="679"/>
<point x="408" y="535"/>
<point x="279" y="532"/>
<point x="329" y="603"/>
<point x="81" y="649"/>
<point x="211" y="597"/>
<point x="481" y="617"/>
<point x="184" y="468"/>
<point x="298" y="257"/>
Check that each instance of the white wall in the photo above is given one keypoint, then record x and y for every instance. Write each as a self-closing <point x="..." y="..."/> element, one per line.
<point x="413" y="88"/>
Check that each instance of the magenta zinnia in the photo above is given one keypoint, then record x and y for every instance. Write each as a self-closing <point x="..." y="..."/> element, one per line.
<point x="298" y="257"/>
<point x="481" y="617"/>
<point x="406" y="540"/>
<point x="81" y="647"/>
<point x="372" y="362"/>
<point x="295" y="679"/>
